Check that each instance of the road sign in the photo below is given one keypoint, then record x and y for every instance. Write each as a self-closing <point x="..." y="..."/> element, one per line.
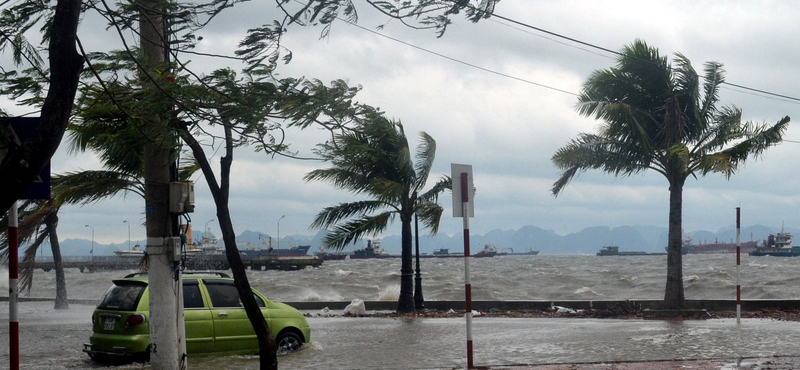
<point x="458" y="208"/>
<point x="13" y="132"/>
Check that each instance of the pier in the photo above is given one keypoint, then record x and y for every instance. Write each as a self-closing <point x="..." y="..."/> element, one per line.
<point x="197" y="262"/>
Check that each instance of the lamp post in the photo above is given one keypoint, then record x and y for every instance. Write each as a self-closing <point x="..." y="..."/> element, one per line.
<point x="279" y="230"/>
<point x="419" y="302"/>
<point x="129" y="234"/>
<point x="91" y="252"/>
<point x="206" y="231"/>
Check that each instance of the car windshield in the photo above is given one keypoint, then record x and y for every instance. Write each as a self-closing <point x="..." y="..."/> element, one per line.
<point x="123" y="296"/>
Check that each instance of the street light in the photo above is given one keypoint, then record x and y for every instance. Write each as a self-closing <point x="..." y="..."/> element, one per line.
<point x="209" y="221"/>
<point x="129" y="234"/>
<point x="91" y="252"/>
<point x="419" y="300"/>
<point x="279" y="230"/>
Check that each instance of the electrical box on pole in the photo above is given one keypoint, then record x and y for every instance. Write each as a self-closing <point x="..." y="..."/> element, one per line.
<point x="181" y="197"/>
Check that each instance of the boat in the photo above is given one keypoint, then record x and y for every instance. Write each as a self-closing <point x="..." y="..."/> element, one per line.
<point x="373" y="250"/>
<point x="134" y="252"/>
<point x="614" y="251"/>
<point x="330" y="256"/>
<point x="296" y="251"/>
<point x="716" y="247"/>
<point x="489" y="250"/>
<point x="206" y="246"/>
<point x="528" y="252"/>
<point x="779" y="245"/>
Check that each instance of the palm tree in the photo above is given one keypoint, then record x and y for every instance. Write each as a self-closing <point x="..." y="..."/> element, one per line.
<point x="374" y="159"/>
<point x="662" y="118"/>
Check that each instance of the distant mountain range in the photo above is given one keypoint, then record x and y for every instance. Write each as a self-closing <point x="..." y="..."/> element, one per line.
<point x="586" y="241"/>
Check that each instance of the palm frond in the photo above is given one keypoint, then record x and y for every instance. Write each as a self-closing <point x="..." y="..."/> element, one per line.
<point x="90" y="186"/>
<point x="758" y="139"/>
<point x="331" y="215"/>
<point x="430" y="214"/>
<point x="348" y="232"/>
<point x="426" y="153"/>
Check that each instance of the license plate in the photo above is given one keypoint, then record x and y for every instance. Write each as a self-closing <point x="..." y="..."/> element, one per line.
<point x="109" y="323"/>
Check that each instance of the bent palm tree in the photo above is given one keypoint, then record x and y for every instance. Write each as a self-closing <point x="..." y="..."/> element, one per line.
<point x="374" y="159"/>
<point x="658" y="117"/>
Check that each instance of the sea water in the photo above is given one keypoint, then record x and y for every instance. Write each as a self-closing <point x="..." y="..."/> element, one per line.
<point x="52" y="339"/>
<point x="542" y="277"/>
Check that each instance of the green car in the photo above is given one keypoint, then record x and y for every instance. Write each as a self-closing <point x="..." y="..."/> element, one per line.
<point x="215" y="321"/>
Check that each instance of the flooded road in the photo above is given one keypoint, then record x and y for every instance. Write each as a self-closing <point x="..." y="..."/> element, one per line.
<point x="53" y="339"/>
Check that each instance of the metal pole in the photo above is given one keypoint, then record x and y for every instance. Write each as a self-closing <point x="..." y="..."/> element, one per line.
<point x="13" y="292"/>
<point x="467" y="283"/>
<point x="206" y="230"/>
<point x="279" y="231"/>
<point x="129" y="234"/>
<point x="419" y="301"/>
<point x="738" y="263"/>
<point x="91" y="252"/>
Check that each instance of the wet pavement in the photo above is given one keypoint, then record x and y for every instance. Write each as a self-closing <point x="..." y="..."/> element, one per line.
<point x="767" y="363"/>
<point x="366" y="343"/>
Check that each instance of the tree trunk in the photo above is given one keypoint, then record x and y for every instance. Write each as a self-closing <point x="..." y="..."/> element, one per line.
<point x="18" y="170"/>
<point x="405" y="303"/>
<point x="266" y="342"/>
<point x="673" y="294"/>
<point x="62" y="303"/>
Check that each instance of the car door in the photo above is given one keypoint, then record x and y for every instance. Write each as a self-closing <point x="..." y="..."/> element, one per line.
<point x="232" y="330"/>
<point x="198" y="321"/>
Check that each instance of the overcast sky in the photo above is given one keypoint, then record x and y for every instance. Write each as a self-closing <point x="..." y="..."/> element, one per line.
<point x="501" y="97"/>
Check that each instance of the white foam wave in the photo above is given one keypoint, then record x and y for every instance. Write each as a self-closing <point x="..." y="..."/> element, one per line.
<point x="586" y="290"/>
<point x="390" y="293"/>
<point x="691" y="278"/>
<point x="315" y="296"/>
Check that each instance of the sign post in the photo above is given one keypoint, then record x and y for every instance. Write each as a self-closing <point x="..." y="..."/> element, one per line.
<point x="13" y="132"/>
<point x="463" y="206"/>
<point x="738" y="263"/>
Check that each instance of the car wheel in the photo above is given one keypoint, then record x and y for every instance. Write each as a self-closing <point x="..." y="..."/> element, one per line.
<point x="289" y="342"/>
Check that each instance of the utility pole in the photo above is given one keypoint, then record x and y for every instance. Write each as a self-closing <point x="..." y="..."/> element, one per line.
<point x="167" y="333"/>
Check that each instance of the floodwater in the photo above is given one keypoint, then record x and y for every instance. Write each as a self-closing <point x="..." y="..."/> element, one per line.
<point x="52" y="339"/>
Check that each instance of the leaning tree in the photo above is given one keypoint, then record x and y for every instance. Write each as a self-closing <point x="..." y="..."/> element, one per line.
<point x="665" y="118"/>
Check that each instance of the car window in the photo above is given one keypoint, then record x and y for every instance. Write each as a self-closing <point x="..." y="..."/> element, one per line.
<point x="223" y="293"/>
<point x="191" y="295"/>
<point x="123" y="296"/>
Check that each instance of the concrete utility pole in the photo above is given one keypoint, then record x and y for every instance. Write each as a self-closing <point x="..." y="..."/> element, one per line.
<point x="167" y="333"/>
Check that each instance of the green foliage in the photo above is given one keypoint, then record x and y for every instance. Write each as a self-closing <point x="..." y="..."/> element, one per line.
<point x="659" y="117"/>
<point x="374" y="160"/>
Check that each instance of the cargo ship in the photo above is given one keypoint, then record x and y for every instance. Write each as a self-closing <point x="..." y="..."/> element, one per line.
<point x="716" y="247"/>
<point x="614" y="251"/>
<point x="778" y="246"/>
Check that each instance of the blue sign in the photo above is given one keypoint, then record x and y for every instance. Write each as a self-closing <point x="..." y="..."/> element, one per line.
<point x="15" y="131"/>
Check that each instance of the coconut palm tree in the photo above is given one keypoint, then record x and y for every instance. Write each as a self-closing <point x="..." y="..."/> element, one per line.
<point x="662" y="118"/>
<point x="374" y="159"/>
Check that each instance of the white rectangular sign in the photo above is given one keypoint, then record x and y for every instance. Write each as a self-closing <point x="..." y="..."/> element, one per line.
<point x="458" y="207"/>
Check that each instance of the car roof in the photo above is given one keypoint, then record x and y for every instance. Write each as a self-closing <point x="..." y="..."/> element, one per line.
<point x="187" y="275"/>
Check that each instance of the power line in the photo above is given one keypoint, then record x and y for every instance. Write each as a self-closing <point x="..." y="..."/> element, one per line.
<point x="584" y="43"/>
<point x="461" y="61"/>
<point x="742" y="88"/>
<point x="747" y="90"/>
